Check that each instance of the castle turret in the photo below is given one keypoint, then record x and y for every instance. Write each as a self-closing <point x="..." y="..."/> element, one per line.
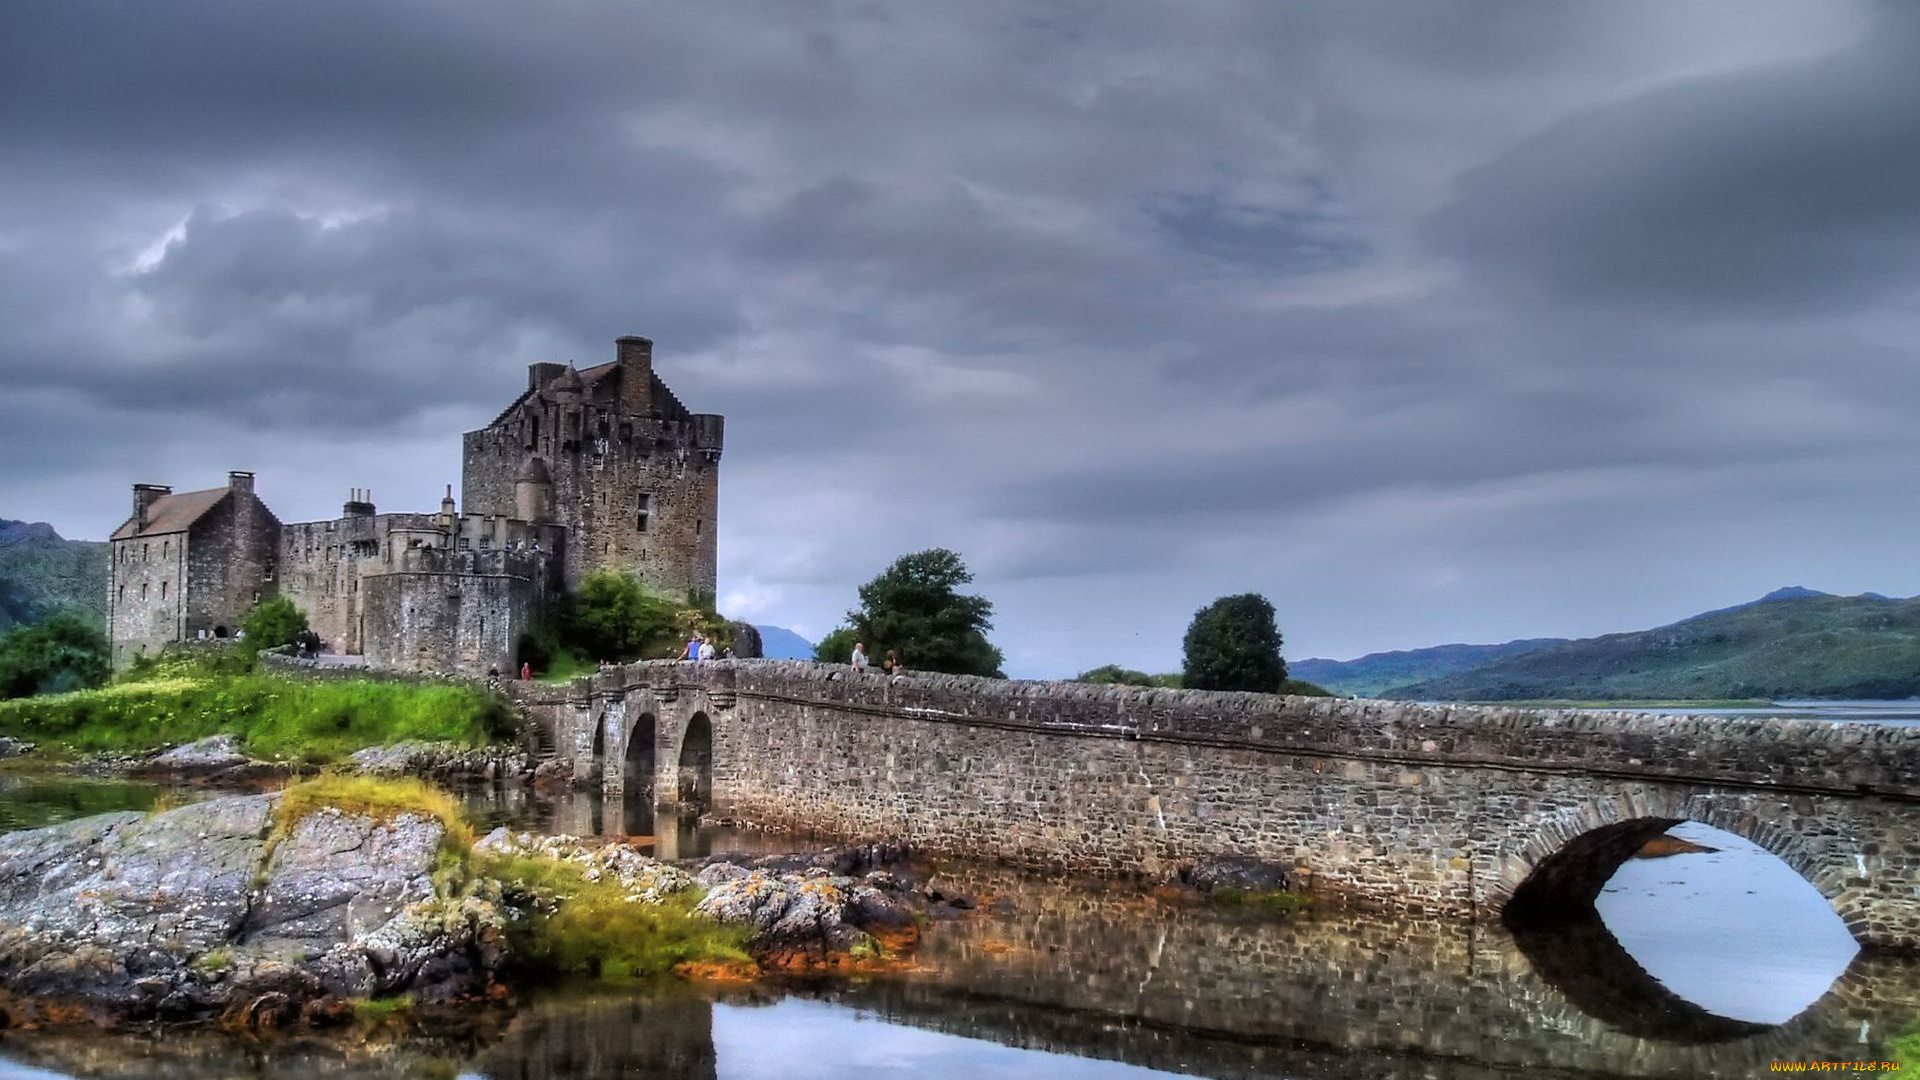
<point x="533" y="492"/>
<point x="447" y="512"/>
<point x="635" y="356"/>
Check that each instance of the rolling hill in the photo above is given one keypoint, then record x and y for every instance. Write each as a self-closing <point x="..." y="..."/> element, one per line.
<point x="1793" y="643"/>
<point x="41" y="573"/>
<point x="1375" y="673"/>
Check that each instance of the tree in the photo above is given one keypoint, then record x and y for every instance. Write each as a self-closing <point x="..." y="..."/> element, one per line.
<point x="1114" y="674"/>
<point x="1233" y="644"/>
<point x="273" y="622"/>
<point x="914" y="609"/>
<point x="837" y="646"/>
<point x="613" y="617"/>
<point x="65" y="652"/>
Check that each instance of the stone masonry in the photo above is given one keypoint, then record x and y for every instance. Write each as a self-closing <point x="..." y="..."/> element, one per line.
<point x="1438" y="809"/>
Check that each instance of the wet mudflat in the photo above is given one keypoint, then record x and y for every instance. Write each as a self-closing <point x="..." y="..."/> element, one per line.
<point x="1701" y="966"/>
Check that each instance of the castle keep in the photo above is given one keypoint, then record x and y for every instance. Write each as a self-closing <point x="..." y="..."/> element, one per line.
<point x="601" y="469"/>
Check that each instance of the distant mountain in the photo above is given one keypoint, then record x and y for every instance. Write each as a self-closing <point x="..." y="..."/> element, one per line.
<point x="780" y="643"/>
<point x="41" y="573"/>
<point x="1791" y="643"/>
<point x="1375" y="673"/>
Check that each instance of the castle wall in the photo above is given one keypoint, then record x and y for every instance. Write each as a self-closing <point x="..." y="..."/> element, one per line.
<point x="232" y="552"/>
<point x="145" y="608"/>
<point x="450" y="613"/>
<point x="322" y="563"/>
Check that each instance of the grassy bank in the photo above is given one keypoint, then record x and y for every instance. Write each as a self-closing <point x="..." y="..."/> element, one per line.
<point x="275" y="718"/>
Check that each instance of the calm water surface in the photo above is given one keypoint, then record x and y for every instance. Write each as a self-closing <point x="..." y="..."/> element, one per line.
<point x="1706" y="964"/>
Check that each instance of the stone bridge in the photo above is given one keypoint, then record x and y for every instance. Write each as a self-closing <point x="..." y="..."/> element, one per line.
<point x="1449" y="810"/>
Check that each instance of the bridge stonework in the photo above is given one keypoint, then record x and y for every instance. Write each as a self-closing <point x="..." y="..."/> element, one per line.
<point x="1452" y="810"/>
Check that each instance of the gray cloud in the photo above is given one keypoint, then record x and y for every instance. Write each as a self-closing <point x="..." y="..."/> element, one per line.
<point x="1479" y="320"/>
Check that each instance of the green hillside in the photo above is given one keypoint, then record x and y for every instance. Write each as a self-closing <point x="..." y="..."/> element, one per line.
<point x="1374" y="674"/>
<point x="1789" y="645"/>
<point x="41" y="573"/>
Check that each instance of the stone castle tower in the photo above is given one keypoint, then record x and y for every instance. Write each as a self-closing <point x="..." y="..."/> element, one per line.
<point x="611" y="455"/>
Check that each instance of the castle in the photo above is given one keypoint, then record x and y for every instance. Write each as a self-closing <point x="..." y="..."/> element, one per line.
<point x="601" y="469"/>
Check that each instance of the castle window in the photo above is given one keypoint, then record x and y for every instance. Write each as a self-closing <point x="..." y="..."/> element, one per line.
<point x="485" y="543"/>
<point x="143" y="590"/>
<point x="646" y="512"/>
<point x="166" y="549"/>
<point x="533" y="432"/>
<point x="697" y="524"/>
<point x="146" y="552"/>
<point x="163" y="589"/>
<point x="465" y="543"/>
<point x="265" y="576"/>
<point x="123" y="593"/>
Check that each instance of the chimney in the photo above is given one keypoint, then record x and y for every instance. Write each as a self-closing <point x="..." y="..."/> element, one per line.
<point x="240" y="481"/>
<point x="144" y="496"/>
<point x="539" y="375"/>
<point x="359" y="503"/>
<point x="635" y="355"/>
<point x="447" y="511"/>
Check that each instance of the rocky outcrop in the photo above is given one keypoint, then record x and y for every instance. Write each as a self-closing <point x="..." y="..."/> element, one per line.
<point x="215" y="758"/>
<point x="443" y="760"/>
<point x="817" y="909"/>
<point x="12" y="747"/>
<point x="208" y="910"/>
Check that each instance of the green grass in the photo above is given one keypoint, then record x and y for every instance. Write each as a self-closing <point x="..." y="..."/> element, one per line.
<point x="1906" y="1048"/>
<point x="276" y="719"/>
<point x="581" y="927"/>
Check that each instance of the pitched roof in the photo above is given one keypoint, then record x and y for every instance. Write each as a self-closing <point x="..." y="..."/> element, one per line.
<point x="173" y="513"/>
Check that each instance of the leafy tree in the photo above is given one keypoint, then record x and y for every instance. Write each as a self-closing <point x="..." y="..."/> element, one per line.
<point x="613" y="617"/>
<point x="1233" y="644"/>
<point x="915" y="610"/>
<point x="65" y="652"/>
<point x="837" y="646"/>
<point x="273" y="622"/>
<point x="1114" y="674"/>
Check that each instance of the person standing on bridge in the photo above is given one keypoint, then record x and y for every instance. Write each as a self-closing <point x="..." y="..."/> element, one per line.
<point x="860" y="656"/>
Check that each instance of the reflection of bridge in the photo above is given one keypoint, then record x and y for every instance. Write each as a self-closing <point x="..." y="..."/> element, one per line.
<point x="1441" y="809"/>
<point x="1205" y="993"/>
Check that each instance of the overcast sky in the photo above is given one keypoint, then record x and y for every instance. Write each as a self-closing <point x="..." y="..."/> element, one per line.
<point x="1431" y="321"/>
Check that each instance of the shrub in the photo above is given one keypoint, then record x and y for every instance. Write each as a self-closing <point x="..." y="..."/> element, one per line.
<point x="273" y="622"/>
<point x="62" y="653"/>
<point x="914" y="608"/>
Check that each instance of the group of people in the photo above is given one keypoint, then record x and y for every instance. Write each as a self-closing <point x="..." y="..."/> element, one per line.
<point x="307" y="644"/>
<point x="891" y="665"/>
<point x="700" y="647"/>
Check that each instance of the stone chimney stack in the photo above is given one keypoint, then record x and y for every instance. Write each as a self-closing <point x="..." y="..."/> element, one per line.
<point x="539" y="375"/>
<point x="359" y="503"/>
<point x="144" y="496"/>
<point x="446" y="511"/>
<point x="240" y="481"/>
<point x="635" y="355"/>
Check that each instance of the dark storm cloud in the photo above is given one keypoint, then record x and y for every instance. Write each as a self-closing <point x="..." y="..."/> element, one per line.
<point x="1783" y="188"/>
<point x="1364" y="304"/>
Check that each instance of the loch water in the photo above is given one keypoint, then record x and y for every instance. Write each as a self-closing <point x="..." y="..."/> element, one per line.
<point x="1714" y="963"/>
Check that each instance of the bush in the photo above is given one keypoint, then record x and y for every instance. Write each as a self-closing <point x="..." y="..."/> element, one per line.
<point x="63" y="653"/>
<point x="837" y="646"/>
<point x="1115" y="675"/>
<point x="273" y="622"/>
<point x="1233" y="644"/>
<point x="613" y="617"/>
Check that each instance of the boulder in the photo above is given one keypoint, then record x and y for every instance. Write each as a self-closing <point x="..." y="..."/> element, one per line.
<point x="214" y="757"/>
<point x="12" y="747"/>
<point x="1236" y="872"/>
<point x="203" y="911"/>
<point x="443" y="760"/>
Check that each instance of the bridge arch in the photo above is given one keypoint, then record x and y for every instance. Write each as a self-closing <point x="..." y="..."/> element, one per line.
<point x="694" y="762"/>
<point x="639" y="757"/>
<point x="1552" y="867"/>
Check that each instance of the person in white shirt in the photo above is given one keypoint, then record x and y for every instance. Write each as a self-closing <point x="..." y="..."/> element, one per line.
<point x="859" y="656"/>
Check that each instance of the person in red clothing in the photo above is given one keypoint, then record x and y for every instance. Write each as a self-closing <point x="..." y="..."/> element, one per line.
<point x="526" y="672"/>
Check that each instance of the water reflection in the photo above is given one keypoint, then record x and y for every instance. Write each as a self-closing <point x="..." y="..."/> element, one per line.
<point x="1096" y="982"/>
<point x="1731" y="929"/>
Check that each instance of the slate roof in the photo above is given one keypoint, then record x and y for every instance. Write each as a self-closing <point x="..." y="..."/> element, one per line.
<point x="173" y="513"/>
